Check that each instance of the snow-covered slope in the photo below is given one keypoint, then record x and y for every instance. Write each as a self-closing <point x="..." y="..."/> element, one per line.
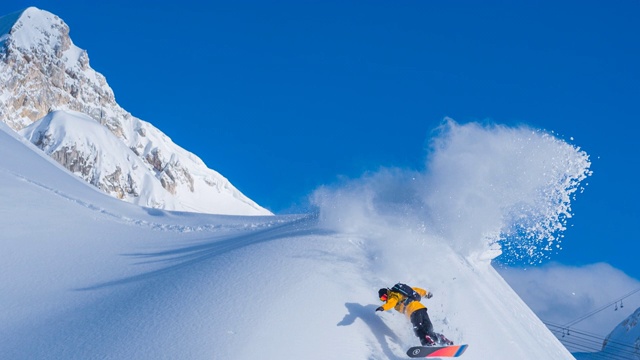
<point x="43" y="75"/>
<point x="85" y="276"/>
<point x="92" y="152"/>
<point x="622" y="343"/>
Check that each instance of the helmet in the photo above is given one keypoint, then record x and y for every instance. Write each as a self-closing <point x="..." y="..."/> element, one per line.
<point x="383" y="294"/>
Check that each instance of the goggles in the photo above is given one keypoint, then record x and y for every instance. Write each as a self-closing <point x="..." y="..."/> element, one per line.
<point x="384" y="297"/>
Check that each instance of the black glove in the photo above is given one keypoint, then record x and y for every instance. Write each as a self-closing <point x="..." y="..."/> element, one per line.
<point x="429" y="295"/>
<point x="380" y="308"/>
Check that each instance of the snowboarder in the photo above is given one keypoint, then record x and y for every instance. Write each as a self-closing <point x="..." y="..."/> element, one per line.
<point x="406" y="300"/>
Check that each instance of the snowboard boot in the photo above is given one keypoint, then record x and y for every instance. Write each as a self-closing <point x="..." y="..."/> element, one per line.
<point x="427" y="341"/>
<point x="443" y="340"/>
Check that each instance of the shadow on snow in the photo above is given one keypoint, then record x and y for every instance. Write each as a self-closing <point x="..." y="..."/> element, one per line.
<point x="377" y="326"/>
<point x="183" y="257"/>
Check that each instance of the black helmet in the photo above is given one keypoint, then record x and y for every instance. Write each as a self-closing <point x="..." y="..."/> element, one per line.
<point x="383" y="292"/>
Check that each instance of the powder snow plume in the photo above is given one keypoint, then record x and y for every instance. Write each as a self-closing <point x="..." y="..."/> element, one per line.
<point x="484" y="190"/>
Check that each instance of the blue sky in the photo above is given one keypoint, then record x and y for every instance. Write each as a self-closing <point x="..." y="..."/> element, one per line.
<point x="281" y="97"/>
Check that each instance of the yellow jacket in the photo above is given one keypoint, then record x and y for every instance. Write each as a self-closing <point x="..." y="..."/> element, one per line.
<point x="396" y="300"/>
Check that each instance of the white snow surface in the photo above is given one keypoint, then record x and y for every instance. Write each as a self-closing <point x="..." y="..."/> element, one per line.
<point x="86" y="276"/>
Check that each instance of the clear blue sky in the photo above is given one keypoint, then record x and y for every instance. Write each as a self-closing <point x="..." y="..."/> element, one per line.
<point x="281" y="97"/>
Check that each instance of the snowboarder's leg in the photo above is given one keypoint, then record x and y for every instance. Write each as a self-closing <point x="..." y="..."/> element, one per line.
<point x="423" y="328"/>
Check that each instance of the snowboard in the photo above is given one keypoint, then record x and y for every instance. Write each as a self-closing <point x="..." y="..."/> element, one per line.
<point x="436" y="351"/>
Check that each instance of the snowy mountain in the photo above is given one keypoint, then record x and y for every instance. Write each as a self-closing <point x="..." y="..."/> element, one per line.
<point x="85" y="276"/>
<point x="46" y="85"/>
<point x="622" y="343"/>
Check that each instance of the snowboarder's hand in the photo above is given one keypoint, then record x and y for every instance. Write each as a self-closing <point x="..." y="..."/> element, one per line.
<point x="429" y="295"/>
<point x="380" y="308"/>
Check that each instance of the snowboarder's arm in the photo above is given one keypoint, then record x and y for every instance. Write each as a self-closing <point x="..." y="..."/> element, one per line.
<point x="390" y="304"/>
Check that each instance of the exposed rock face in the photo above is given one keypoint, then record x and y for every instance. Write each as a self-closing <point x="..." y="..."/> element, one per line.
<point x="42" y="73"/>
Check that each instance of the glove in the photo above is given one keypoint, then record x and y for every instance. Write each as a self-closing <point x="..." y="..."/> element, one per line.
<point x="429" y="295"/>
<point x="380" y="308"/>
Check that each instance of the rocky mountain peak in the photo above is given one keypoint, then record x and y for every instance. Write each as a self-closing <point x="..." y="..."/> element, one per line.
<point x="47" y="85"/>
<point x="42" y="70"/>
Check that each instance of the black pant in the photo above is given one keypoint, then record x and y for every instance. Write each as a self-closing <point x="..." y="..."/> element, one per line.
<point x="422" y="325"/>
